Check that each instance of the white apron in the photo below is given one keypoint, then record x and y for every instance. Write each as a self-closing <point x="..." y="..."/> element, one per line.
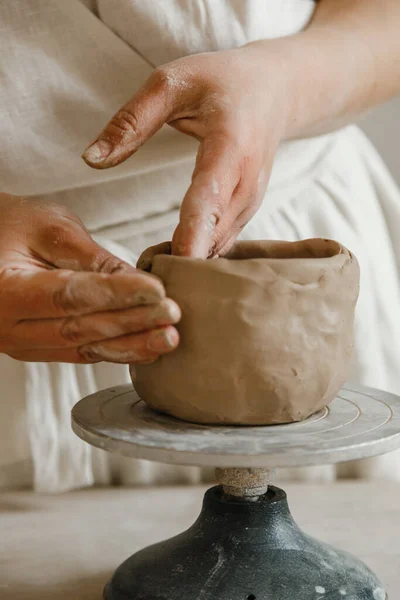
<point x="65" y="69"/>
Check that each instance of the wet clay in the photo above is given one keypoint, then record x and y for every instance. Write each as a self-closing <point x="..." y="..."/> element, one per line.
<point x="266" y="332"/>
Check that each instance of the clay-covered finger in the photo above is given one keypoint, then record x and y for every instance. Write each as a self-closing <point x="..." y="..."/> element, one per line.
<point x="138" y="348"/>
<point x="134" y="123"/>
<point x="62" y="240"/>
<point x="226" y="238"/>
<point x="146" y="258"/>
<point x="84" y="329"/>
<point x="55" y="293"/>
<point x="244" y="204"/>
<point x="215" y="178"/>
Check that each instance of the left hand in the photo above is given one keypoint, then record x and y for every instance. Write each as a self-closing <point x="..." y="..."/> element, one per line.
<point x="64" y="298"/>
<point x="235" y="103"/>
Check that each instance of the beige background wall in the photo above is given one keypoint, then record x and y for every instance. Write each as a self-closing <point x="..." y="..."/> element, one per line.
<point x="383" y="128"/>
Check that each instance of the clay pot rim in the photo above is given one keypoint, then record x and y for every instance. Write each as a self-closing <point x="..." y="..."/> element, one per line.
<point x="333" y="248"/>
<point x="162" y="252"/>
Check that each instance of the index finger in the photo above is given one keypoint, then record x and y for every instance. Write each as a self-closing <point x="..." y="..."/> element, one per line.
<point x="133" y="124"/>
<point x="57" y="293"/>
<point x="215" y="178"/>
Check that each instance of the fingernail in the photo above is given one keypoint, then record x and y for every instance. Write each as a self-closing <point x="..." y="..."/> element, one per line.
<point x="146" y="297"/>
<point x="166" y="312"/>
<point x="161" y="340"/>
<point x="97" y="152"/>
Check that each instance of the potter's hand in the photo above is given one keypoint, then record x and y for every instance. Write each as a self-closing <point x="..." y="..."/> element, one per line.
<point x="225" y="100"/>
<point x="240" y="103"/>
<point x="64" y="298"/>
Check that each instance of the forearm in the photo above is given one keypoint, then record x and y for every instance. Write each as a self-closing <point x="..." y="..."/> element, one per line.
<point x="346" y="62"/>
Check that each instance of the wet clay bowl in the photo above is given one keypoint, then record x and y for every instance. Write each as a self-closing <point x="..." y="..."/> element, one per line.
<point x="266" y="332"/>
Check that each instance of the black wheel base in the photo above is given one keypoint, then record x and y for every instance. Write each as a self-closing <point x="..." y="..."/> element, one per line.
<point x="243" y="550"/>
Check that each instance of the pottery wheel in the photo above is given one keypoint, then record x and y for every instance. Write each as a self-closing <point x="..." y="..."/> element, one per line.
<point x="245" y="544"/>
<point x="359" y="423"/>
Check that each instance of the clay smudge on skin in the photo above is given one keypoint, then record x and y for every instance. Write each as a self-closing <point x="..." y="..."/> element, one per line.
<point x="215" y="187"/>
<point x="226" y="100"/>
<point x="78" y="290"/>
<point x="125" y="322"/>
<point x="206" y="223"/>
<point x="167" y="310"/>
<point x="22" y="273"/>
<point x="145" y="297"/>
<point x="177" y="82"/>
<point x="204" y="227"/>
<point x="177" y="76"/>
<point x="107" y="330"/>
<point x="70" y="264"/>
<point x="100" y="353"/>
<point x="161" y="340"/>
<point x="108" y="263"/>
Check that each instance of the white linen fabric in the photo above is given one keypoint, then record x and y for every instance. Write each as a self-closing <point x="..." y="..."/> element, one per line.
<point x="65" y="68"/>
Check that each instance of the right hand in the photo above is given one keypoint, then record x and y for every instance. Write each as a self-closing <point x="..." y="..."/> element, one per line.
<point x="64" y="298"/>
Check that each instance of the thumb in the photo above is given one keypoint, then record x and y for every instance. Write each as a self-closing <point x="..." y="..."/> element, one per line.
<point x="68" y="245"/>
<point x="133" y="124"/>
<point x="94" y="257"/>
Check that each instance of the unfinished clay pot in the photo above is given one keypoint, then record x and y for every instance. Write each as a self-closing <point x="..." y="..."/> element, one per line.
<point x="266" y="332"/>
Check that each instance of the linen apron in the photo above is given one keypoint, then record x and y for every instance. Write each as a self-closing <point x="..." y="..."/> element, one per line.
<point x="65" y="68"/>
